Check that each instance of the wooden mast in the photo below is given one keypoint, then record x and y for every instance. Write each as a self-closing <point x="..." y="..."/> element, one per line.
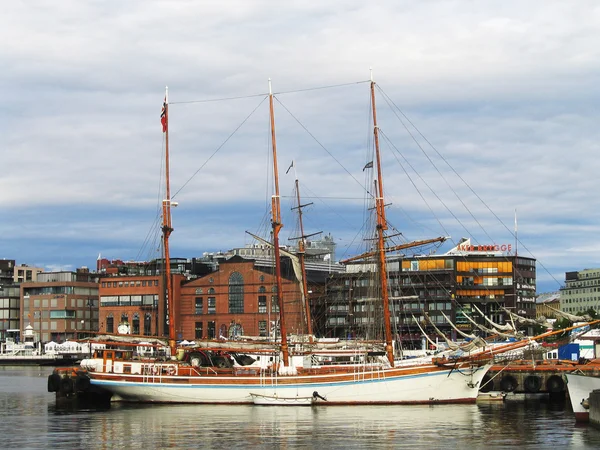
<point x="277" y="225"/>
<point x="167" y="228"/>
<point x="381" y="227"/>
<point x="301" y="254"/>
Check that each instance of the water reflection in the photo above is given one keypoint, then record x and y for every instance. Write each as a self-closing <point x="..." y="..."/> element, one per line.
<point x="24" y="400"/>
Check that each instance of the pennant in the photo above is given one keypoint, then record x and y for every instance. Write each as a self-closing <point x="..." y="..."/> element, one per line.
<point x="289" y="168"/>
<point x="368" y="165"/>
<point x="163" y="116"/>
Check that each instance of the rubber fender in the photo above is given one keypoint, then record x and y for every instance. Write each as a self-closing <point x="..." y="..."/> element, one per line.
<point x="66" y="385"/>
<point x="508" y="383"/>
<point x="82" y="383"/>
<point x="53" y="382"/>
<point x="555" y="384"/>
<point x="532" y="384"/>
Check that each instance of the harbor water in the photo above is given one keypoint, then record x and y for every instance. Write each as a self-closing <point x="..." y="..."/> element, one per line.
<point x="31" y="419"/>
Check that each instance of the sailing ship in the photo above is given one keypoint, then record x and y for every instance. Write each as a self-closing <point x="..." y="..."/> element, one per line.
<point x="232" y="376"/>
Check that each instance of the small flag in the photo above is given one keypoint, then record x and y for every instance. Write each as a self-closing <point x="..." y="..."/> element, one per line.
<point x="289" y="168"/>
<point x="163" y="116"/>
<point x="368" y="165"/>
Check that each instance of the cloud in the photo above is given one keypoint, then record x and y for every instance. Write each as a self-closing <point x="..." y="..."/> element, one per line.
<point x="506" y="93"/>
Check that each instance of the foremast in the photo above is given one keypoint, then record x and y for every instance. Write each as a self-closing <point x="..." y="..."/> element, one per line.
<point x="167" y="228"/>
<point x="301" y="255"/>
<point x="277" y="225"/>
<point x="381" y="227"/>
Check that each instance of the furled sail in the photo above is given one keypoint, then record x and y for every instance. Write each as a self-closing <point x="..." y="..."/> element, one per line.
<point x="462" y="333"/>
<point x="497" y="326"/>
<point x="571" y="317"/>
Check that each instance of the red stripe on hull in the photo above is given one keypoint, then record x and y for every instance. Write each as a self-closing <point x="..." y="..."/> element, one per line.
<point x="582" y="416"/>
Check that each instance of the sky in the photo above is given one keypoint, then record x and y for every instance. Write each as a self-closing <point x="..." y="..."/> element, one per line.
<point x="487" y="111"/>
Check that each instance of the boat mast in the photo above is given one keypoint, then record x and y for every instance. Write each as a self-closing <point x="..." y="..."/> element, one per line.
<point x="167" y="228"/>
<point x="277" y="225"/>
<point x="301" y="254"/>
<point x="381" y="227"/>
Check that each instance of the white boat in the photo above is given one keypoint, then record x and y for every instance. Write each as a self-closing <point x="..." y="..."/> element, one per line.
<point x="579" y="388"/>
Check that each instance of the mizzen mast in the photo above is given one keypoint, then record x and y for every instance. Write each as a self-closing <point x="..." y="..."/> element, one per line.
<point x="167" y="228"/>
<point x="277" y="225"/>
<point x="381" y="227"/>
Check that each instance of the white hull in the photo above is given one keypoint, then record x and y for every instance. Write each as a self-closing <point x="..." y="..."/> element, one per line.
<point x="371" y="386"/>
<point x="580" y="387"/>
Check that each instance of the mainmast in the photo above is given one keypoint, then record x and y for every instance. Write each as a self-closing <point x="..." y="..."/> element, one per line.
<point x="167" y="228"/>
<point x="277" y="225"/>
<point x="301" y="254"/>
<point x="381" y="227"/>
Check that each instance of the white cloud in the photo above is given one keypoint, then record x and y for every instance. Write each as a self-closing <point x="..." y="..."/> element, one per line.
<point x="506" y="91"/>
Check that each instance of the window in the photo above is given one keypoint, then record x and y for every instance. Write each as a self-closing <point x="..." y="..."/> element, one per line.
<point x="135" y="324"/>
<point x="198" y="330"/>
<point x="274" y="304"/>
<point x="199" y="291"/>
<point x="262" y="303"/>
<point x="262" y="327"/>
<point x="212" y="305"/>
<point x="147" y="324"/>
<point x="212" y="328"/>
<point x="199" y="305"/>
<point x="110" y="324"/>
<point x="235" y="331"/>
<point x="236" y="293"/>
<point x="211" y="291"/>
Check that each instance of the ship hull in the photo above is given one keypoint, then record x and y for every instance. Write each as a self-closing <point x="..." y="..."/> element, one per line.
<point x="580" y="387"/>
<point x="423" y="385"/>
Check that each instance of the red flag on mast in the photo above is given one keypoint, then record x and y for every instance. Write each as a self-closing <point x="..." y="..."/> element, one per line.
<point x="163" y="116"/>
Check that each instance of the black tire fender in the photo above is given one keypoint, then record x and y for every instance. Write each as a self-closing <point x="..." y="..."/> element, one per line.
<point x="508" y="383"/>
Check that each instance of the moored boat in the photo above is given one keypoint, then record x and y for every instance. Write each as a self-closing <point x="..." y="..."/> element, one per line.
<point x="579" y="388"/>
<point x="218" y="376"/>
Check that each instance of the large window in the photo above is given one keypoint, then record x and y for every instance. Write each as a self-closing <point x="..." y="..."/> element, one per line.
<point x="199" y="304"/>
<point x="212" y="305"/>
<point x="110" y="324"/>
<point x="262" y="303"/>
<point x="135" y="324"/>
<point x="236" y="293"/>
<point x="198" y="330"/>
<point x="262" y="327"/>
<point x="147" y="324"/>
<point x="212" y="329"/>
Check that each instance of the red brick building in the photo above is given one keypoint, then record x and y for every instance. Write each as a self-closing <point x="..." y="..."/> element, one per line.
<point x="238" y="299"/>
<point x="135" y="300"/>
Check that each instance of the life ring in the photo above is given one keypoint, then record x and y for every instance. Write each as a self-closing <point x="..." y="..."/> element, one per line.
<point x="555" y="384"/>
<point x="53" y="382"/>
<point x="155" y="369"/>
<point x="508" y="383"/>
<point x="171" y="370"/>
<point x="532" y="384"/>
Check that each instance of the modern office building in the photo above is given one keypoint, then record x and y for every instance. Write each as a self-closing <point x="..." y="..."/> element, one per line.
<point x="60" y="305"/>
<point x="581" y="291"/>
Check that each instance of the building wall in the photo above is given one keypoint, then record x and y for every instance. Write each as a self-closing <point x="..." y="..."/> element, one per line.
<point x="194" y="323"/>
<point x="24" y="273"/>
<point x="60" y="310"/>
<point x="581" y="291"/>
